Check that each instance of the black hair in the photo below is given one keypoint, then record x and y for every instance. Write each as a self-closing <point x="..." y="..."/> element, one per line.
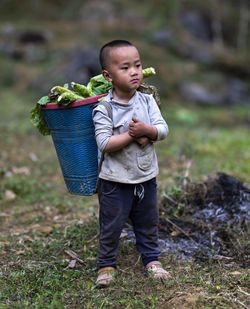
<point x="106" y="48"/>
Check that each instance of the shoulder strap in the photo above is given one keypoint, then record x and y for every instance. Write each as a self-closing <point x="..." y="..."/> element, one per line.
<point x="108" y="106"/>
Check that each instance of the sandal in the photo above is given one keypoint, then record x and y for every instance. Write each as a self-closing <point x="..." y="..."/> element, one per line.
<point x="105" y="276"/>
<point x="156" y="271"/>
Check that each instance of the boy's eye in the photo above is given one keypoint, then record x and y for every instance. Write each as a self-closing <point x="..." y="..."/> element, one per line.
<point x="124" y="68"/>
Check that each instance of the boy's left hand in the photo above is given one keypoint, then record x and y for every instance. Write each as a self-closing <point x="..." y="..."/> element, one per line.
<point x="143" y="141"/>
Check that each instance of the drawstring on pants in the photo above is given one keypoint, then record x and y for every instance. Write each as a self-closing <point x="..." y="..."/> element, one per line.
<point x="139" y="192"/>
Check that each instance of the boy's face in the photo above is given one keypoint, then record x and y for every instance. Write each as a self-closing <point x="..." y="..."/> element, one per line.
<point x="124" y="69"/>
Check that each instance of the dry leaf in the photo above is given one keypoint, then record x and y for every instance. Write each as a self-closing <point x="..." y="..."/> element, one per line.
<point x="23" y="170"/>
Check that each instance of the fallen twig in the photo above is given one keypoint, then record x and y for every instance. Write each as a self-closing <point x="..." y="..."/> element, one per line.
<point x="179" y="228"/>
<point x="74" y="256"/>
<point x="93" y="238"/>
<point x="170" y="199"/>
<point x="243" y="292"/>
<point x="125" y="270"/>
<point x="222" y="257"/>
<point x="234" y="300"/>
<point x="186" y="174"/>
<point x="241" y="303"/>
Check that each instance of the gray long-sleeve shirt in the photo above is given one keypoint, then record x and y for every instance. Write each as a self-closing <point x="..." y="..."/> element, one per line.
<point x="132" y="164"/>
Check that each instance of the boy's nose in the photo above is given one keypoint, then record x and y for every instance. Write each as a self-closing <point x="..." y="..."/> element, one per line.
<point x="133" y="71"/>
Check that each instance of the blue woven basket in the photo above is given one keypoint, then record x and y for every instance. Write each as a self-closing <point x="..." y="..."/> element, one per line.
<point x="72" y="132"/>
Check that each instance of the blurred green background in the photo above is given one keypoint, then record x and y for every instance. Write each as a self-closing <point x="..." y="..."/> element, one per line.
<point x="200" y="51"/>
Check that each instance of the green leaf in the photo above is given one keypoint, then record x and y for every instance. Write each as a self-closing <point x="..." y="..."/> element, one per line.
<point x="44" y="100"/>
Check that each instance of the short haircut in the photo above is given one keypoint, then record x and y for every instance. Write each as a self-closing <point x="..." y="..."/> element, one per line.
<point x="104" y="51"/>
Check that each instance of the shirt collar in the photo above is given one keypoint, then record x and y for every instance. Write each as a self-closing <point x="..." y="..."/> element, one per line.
<point x="131" y="101"/>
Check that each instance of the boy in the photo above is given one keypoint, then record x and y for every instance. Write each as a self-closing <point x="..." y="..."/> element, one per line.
<point x="127" y="180"/>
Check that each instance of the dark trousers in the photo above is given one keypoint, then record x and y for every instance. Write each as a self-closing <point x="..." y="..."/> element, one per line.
<point x="120" y="202"/>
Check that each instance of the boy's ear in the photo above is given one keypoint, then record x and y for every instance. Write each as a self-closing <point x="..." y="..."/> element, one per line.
<point x="106" y="75"/>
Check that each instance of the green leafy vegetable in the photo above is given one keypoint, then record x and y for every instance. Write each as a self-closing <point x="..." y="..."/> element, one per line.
<point x="148" y="72"/>
<point x="68" y="97"/>
<point x="62" y="95"/>
<point x="38" y="121"/>
<point x="81" y="89"/>
<point x="44" y="100"/>
<point x="99" y="85"/>
<point x="59" y="90"/>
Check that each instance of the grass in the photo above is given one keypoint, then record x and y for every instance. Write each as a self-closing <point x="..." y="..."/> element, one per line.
<point x="40" y="274"/>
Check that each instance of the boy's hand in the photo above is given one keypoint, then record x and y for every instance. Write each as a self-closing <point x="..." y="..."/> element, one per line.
<point x="136" y="128"/>
<point x="143" y="141"/>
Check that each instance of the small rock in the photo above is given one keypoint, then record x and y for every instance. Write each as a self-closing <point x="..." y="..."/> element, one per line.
<point x="72" y="264"/>
<point x="9" y="195"/>
<point x="33" y="157"/>
<point x="8" y="174"/>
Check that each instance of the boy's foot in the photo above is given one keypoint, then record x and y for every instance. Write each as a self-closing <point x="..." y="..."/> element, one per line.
<point x="156" y="271"/>
<point x="105" y="276"/>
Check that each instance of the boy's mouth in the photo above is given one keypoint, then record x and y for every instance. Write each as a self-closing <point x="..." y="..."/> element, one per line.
<point x="135" y="81"/>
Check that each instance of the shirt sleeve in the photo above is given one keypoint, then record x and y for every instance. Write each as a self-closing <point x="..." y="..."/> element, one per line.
<point x="157" y="119"/>
<point x="103" y="126"/>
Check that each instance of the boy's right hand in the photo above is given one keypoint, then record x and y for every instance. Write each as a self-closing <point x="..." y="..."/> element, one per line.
<point x="138" y="128"/>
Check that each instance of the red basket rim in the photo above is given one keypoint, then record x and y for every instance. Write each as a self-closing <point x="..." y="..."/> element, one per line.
<point x="85" y="101"/>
